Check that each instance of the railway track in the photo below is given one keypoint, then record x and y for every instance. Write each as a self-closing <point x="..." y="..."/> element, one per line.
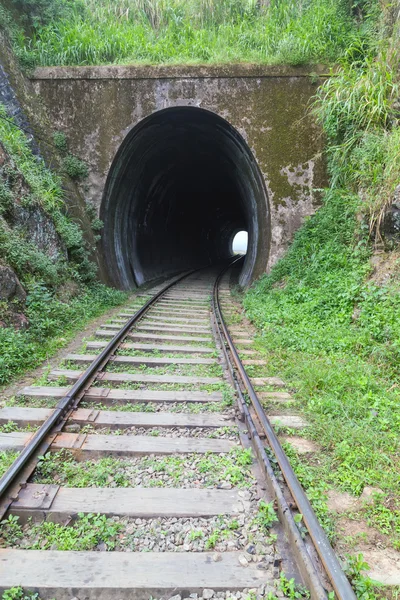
<point x="157" y="474"/>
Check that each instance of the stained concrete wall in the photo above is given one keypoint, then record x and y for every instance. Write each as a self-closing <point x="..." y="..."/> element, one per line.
<point x="97" y="106"/>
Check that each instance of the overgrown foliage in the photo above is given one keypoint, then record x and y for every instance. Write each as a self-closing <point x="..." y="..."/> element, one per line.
<point x="85" y="533"/>
<point x="342" y="362"/>
<point x="61" y="293"/>
<point x="52" y="323"/>
<point x="327" y="327"/>
<point x="186" y="31"/>
<point x="43" y="189"/>
<point x="359" y="110"/>
<point x="18" y="593"/>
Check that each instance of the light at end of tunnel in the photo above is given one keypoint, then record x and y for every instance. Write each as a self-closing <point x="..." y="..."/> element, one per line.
<point x="239" y="242"/>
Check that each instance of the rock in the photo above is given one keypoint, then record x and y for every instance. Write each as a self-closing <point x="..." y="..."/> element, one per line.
<point x="341" y="502"/>
<point x="177" y="597"/>
<point x="74" y="428"/>
<point x="369" y="493"/>
<point x="18" y="321"/>
<point x="67" y="291"/>
<point x="243" y="560"/>
<point x="10" y="287"/>
<point x="40" y="230"/>
<point x="250" y="549"/>
<point x="245" y="494"/>
<point x="216" y="557"/>
<point x="102" y="547"/>
<point x="208" y="594"/>
<point x="225" y="485"/>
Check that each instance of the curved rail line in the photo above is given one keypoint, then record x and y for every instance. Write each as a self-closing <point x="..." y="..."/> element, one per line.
<point x="315" y="559"/>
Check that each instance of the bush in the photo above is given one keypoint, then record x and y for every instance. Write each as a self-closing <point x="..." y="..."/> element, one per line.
<point x="49" y="320"/>
<point x="6" y="199"/>
<point x="36" y="13"/>
<point x="60" y="142"/>
<point x="74" y="167"/>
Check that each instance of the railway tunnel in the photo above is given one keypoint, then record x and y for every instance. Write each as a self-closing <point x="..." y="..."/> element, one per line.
<point x="181" y="185"/>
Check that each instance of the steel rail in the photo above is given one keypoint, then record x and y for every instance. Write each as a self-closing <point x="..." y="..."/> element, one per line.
<point x="10" y="476"/>
<point x="330" y="561"/>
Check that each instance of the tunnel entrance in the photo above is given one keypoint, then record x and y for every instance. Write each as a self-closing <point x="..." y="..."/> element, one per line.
<point x="182" y="183"/>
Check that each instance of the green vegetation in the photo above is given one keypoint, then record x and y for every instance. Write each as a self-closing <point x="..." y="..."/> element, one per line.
<point x="72" y="165"/>
<point x="290" y="589"/>
<point x="81" y="32"/>
<point x="266" y="515"/>
<point x="52" y="323"/>
<point x="61" y="293"/>
<point x="359" y="111"/>
<point x="343" y="367"/>
<point x="42" y="189"/>
<point x="85" y="533"/>
<point x="63" y="469"/>
<point x="17" y="593"/>
<point x="7" y="457"/>
<point x="329" y="328"/>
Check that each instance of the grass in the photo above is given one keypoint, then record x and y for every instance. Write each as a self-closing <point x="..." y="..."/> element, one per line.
<point x="325" y="325"/>
<point x="61" y="293"/>
<point x="52" y="324"/>
<point x="342" y="365"/>
<point x="173" y="369"/>
<point x="85" y="533"/>
<point x="26" y="180"/>
<point x="7" y="457"/>
<point x="84" y="32"/>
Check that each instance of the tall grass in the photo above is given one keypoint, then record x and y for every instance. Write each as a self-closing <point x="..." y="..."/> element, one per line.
<point x="359" y="111"/>
<point x="192" y="31"/>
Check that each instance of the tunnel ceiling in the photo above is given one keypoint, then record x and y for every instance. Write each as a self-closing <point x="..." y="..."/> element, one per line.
<point x="181" y="185"/>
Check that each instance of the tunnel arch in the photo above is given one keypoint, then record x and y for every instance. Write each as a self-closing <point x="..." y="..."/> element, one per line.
<point x="181" y="184"/>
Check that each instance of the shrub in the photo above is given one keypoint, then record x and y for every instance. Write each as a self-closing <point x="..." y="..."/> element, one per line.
<point x="49" y="317"/>
<point x="60" y="142"/>
<point x="75" y="167"/>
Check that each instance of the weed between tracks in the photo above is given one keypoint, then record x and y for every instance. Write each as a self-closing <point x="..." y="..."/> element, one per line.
<point x="162" y="354"/>
<point x="7" y="457"/>
<point x="179" y="407"/>
<point x="174" y="369"/>
<point x="209" y="470"/>
<point x="226" y="432"/>
<point x="31" y="402"/>
<point x="165" y="534"/>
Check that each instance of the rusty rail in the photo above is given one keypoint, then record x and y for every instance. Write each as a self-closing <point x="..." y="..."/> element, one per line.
<point x="9" y="479"/>
<point x="326" y="554"/>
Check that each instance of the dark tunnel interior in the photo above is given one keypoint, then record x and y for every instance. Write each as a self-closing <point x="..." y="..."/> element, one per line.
<point x="182" y="184"/>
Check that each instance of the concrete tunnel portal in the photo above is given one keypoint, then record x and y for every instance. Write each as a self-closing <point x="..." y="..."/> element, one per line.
<point x="181" y="185"/>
